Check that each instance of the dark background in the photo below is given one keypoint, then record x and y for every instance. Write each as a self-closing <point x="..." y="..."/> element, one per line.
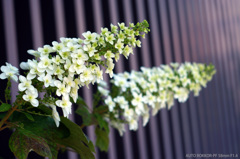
<point x="206" y="31"/>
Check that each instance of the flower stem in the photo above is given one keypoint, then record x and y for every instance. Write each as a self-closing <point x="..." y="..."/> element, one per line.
<point x="9" y="113"/>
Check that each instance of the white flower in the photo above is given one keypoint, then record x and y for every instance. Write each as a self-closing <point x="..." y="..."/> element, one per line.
<point x="121" y="82"/>
<point x="99" y="74"/>
<point x="57" y="46"/>
<point x="128" y="113"/>
<point x="133" y="125"/>
<point x="114" y="28"/>
<point x="89" y="37"/>
<point x="145" y="115"/>
<point x="57" y="60"/>
<point x="75" y="67"/>
<point x="109" y="55"/>
<point x="103" y="91"/>
<point x="62" y="89"/>
<point x="137" y="99"/>
<point x="119" y="45"/>
<point x="74" y="94"/>
<point x="119" y="126"/>
<point x="59" y="72"/>
<point x="47" y="79"/>
<point x="110" y="68"/>
<point x="55" y="114"/>
<point x="86" y="75"/>
<point x="44" y="63"/>
<point x="69" y="82"/>
<point x="127" y="50"/>
<point x="25" y="84"/>
<point x="181" y="94"/>
<point x="157" y="107"/>
<point x="110" y="38"/>
<point x="150" y="99"/>
<point x="72" y="47"/>
<point x="64" y="54"/>
<point x="89" y="49"/>
<point x="65" y="104"/>
<point x="34" y="53"/>
<point x="80" y="55"/>
<point x="121" y="101"/>
<point x="9" y="71"/>
<point x="45" y="50"/>
<point x="31" y="96"/>
<point x="110" y="103"/>
<point x="122" y="26"/>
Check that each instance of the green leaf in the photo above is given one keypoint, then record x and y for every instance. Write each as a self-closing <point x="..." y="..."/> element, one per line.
<point x="80" y="101"/>
<point x="43" y="126"/>
<point x="101" y="122"/>
<point x="84" y="113"/>
<point x="77" y="140"/>
<point x="29" y="116"/>
<point x="102" y="140"/>
<point x="5" y="107"/>
<point x="101" y="109"/>
<point x="54" y="149"/>
<point x="22" y="142"/>
<point x="97" y="97"/>
<point x="2" y="115"/>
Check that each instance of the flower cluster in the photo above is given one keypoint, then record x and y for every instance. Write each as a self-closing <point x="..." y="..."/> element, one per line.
<point x="61" y="69"/>
<point x="134" y="94"/>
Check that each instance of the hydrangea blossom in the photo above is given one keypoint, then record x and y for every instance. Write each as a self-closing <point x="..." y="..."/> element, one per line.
<point x="9" y="71"/>
<point x="152" y="88"/>
<point x="60" y="69"/>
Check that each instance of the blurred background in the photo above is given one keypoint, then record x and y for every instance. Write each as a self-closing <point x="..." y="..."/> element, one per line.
<point x="206" y="31"/>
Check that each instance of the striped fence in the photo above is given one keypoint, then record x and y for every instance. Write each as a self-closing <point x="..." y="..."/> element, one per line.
<point x="206" y="31"/>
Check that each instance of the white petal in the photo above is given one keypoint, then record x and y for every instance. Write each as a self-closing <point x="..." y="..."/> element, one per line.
<point x="34" y="102"/>
<point x="22" y="78"/>
<point x="3" y="76"/>
<point x="15" y="78"/>
<point x="24" y="66"/>
<point x="31" y="76"/>
<point x="21" y="87"/>
<point x="58" y="102"/>
<point x="4" y="69"/>
<point x="25" y="97"/>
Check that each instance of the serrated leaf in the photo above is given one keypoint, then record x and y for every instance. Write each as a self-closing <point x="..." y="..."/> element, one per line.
<point x="84" y="113"/>
<point x="43" y="126"/>
<point x="102" y="140"/>
<point x="5" y="107"/>
<point x="91" y="146"/>
<point x="22" y="142"/>
<point x="77" y="140"/>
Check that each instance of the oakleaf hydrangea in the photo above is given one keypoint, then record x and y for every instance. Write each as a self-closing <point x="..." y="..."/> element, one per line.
<point x="60" y="69"/>
<point x="134" y="94"/>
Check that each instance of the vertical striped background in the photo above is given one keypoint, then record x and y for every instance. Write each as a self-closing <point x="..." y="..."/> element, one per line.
<point x="206" y="31"/>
